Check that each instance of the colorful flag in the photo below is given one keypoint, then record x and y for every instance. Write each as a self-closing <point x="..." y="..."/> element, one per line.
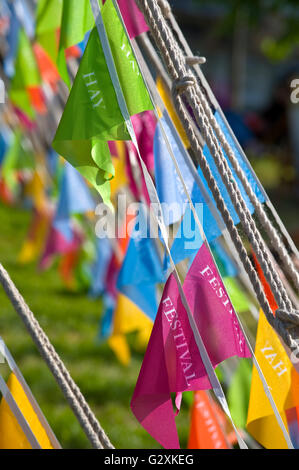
<point x="93" y="99"/>
<point x="205" y="429"/>
<point x="226" y="266"/>
<point x="169" y="187"/>
<point x="128" y="318"/>
<point x="47" y="68"/>
<point x="283" y="381"/>
<point x="77" y="19"/>
<point x="133" y="18"/>
<point x="292" y="415"/>
<point x="171" y="111"/>
<point x="11" y="434"/>
<point x="238" y="298"/>
<point x="56" y="244"/>
<point x="36" y="190"/>
<point x="172" y="346"/>
<point x="12" y="41"/>
<point x="172" y="364"/>
<point x="10" y="161"/>
<point x="214" y="313"/>
<point x="142" y="269"/>
<point x="118" y="153"/>
<point x="238" y="393"/>
<point x="74" y="198"/>
<point x="26" y="77"/>
<point x="243" y="163"/>
<point x="99" y="269"/>
<point x="182" y="245"/>
<point x="36" y="238"/>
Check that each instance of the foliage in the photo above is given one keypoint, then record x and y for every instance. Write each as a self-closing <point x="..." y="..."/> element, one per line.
<point x="278" y="44"/>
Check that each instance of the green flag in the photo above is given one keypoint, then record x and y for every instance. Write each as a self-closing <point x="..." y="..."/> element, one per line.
<point x="48" y="16"/>
<point x="239" y="392"/>
<point x="21" y="100"/>
<point x="130" y="77"/>
<point x="92" y="116"/>
<point x="48" y="21"/>
<point x="26" y="69"/>
<point x="26" y="75"/>
<point x="238" y="298"/>
<point x="77" y="19"/>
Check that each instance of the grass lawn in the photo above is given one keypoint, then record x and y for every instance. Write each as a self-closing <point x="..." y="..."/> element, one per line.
<point x="71" y="322"/>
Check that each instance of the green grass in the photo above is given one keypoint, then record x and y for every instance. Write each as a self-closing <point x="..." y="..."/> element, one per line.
<point x="71" y="322"/>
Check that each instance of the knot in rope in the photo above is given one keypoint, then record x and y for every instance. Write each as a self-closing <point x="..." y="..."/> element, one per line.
<point x="181" y="84"/>
<point x="194" y="60"/>
<point x="290" y="319"/>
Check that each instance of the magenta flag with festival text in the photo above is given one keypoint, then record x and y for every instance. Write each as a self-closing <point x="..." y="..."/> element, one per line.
<point x="172" y="362"/>
<point x="214" y="314"/>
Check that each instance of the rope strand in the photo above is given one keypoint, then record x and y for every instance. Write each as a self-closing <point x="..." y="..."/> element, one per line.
<point x="77" y="402"/>
<point x="182" y="78"/>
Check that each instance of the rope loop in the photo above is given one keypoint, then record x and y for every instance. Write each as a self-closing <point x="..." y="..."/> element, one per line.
<point x="181" y="84"/>
<point x="194" y="60"/>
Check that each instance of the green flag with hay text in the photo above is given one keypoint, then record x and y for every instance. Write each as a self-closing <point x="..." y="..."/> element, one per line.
<point x="92" y="116"/>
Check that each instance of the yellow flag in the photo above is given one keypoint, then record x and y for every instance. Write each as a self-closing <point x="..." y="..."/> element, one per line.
<point x="172" y="113"/>
<point x="34" y="244"/>
<point x="283" y="381"/>
<point x="11" y="434"/>
<point x="36" y="190"/>
<point x="128" y="318"/>
<point x="119" y="163"/>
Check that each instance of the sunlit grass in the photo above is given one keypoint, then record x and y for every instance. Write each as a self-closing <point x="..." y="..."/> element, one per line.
<point x="71" y="322"/>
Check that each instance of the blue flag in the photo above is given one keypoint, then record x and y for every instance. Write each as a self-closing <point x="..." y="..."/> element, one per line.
<point x="141" y="270"/>
<point x="74" y="198"/>
<point x="106" y="323"/>
<point x="188" y="239"/>
<point x="169" y="187"/>
<point x="99" y="269"/>
<point x="12" y="39"/>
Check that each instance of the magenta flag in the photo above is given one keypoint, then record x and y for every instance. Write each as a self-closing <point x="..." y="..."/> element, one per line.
<point x="172" y="362"/>
<point x="214" y="314"/>
<point x="133" y="18"/>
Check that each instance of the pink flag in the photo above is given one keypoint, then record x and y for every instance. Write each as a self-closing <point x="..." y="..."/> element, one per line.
<point x="172" y="362"/>
<point x="57" y="244"/>
<point x="133" y="18"/>
<point x="144" y="126"/>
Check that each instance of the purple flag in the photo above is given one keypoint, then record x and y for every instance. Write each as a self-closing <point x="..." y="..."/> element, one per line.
<point x="172" y="362"/>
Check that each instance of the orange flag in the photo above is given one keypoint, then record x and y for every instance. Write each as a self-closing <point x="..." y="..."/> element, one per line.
<point x="205" y="430"/>
<point x="47" y="68"/>
<point x="37" y="99"/>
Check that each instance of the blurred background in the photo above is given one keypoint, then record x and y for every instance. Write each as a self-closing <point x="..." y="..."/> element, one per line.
<point x="252" y="52"/>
